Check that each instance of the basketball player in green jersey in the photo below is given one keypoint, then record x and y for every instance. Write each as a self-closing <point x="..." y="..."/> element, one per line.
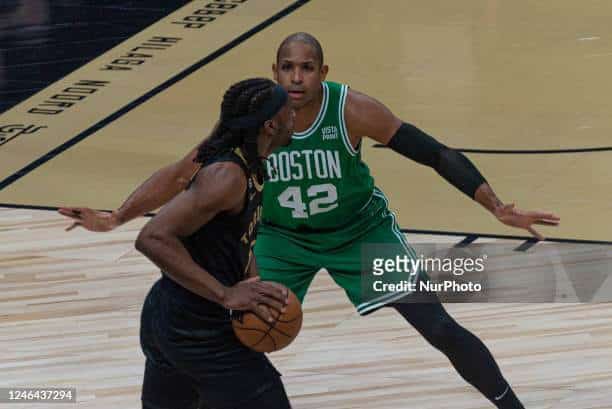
<point x="320" y="205"/>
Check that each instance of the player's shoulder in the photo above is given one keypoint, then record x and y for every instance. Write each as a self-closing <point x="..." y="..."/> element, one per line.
<point x="221" y="182"/>
<point x="358" y="98"/>
<point x="366" y="116"/>
<point x="335" y="85"/>
<point x="359" y="105"/>
<point x="355" y="101"/>
<point x="343" y="87"/>
<point x="223" y="174"/>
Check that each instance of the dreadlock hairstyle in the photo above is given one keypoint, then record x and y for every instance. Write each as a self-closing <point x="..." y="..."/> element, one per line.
<point x="241" y="99"/>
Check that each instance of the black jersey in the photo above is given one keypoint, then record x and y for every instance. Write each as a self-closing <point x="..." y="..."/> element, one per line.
<point x="223" y="245"/>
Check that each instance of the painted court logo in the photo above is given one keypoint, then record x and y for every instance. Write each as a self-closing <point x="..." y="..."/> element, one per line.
<point x="329" y="133"/>
<point x="9" y="132"/>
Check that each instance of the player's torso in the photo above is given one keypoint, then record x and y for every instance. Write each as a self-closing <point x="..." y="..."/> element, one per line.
<point x="318" y="182"/>
<point x="222" y="246"/>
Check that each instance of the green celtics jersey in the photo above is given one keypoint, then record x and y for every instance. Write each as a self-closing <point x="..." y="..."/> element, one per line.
<point x="318" y="183"/>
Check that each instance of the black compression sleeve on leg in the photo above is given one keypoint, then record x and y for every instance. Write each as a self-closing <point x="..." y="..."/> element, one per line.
<point x="467" y="353"/>
<point x="453" y="166"/>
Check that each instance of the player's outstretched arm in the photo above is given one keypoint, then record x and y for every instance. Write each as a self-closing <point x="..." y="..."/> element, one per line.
<point x="509" y="215"/>
<point x="218" y="188"/>
<point x="367" y="117"/>
<point x="156" y="191"/>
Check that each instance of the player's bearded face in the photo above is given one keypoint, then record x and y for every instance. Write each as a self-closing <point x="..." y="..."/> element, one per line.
<point x="299" y="71"/>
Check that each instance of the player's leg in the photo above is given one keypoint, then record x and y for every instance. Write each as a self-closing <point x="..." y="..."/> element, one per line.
<point x="468" y="354"/>
<point x="283" y="261"/>
<point x="163" y="386"/>
<point x="273" y="397"/>
<point x="252" y="385"/>
<point x="354" y="265"/>
<point x="266" y="392"/>
<point x="204" y="349"/>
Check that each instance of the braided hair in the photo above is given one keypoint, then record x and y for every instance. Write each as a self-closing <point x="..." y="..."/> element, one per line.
<point x="242" y="98"/>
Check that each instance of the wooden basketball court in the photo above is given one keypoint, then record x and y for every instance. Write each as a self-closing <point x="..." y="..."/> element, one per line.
<point x="521" y="87"/>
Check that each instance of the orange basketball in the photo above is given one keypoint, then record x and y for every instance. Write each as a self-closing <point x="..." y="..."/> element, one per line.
<point x="264" y="336"/>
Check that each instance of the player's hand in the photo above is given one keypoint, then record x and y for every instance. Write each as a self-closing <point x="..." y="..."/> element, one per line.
<point x="257" y="296"/>
<point x="92" y="220"/>
<point x="509" y="215"/>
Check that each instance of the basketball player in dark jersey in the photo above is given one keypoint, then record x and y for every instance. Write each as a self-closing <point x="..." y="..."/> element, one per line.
<point x="202" y="241"/>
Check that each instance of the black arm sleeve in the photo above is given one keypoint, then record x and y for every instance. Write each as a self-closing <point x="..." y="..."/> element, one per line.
<point x="453" y="166"/>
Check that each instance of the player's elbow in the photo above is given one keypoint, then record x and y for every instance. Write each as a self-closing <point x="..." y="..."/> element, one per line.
<point x="148" y="239"/>
<point x="142" y="242"/>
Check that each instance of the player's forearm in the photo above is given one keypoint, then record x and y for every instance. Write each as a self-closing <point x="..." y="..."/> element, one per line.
<point x="451" y="164"/>
<point x="169" y="254"/>
<point x="488" y="199"/>
<point x="156" y="191"/>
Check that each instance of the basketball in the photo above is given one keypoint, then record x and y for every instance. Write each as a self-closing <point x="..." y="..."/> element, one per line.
<point x="263" y="336"/>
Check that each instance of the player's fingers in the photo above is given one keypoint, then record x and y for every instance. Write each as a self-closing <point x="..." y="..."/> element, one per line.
<point x="65" y="211"/>
<point x="69" y="213"/>
<point x="265" y="288"/>
<point x="547" y="222"/>
<point x="279" y="286"/>
<point x="543" y="215"/>
<point x="273" y="303"/>
<point x="548" y="216"/>
<point x="263" y="312"/>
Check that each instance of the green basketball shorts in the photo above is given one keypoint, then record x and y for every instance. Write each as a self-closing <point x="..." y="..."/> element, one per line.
<point x="373" y="267"/>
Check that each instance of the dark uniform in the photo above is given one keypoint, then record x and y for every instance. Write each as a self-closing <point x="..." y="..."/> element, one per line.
<point x="193" y="359"/>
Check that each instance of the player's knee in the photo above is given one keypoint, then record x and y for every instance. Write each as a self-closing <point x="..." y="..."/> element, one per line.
<point x="444" y="333"/>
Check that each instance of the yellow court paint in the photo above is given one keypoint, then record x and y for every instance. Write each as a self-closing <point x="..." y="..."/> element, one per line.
<point x="472" y="75"/>
<point x="122" y="75"/>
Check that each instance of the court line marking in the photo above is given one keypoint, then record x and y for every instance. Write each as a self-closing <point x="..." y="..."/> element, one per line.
<point x="501" y="236"/>
<point x="522" y="151"/>
<point x="469" y="236"/>
<point x="466" y="241"/>
<point x="527" y="244"/>
<point x="163" y="86"/>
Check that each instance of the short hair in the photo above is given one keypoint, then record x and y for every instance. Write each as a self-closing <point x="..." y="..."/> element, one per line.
<point x="303" y="38"/>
